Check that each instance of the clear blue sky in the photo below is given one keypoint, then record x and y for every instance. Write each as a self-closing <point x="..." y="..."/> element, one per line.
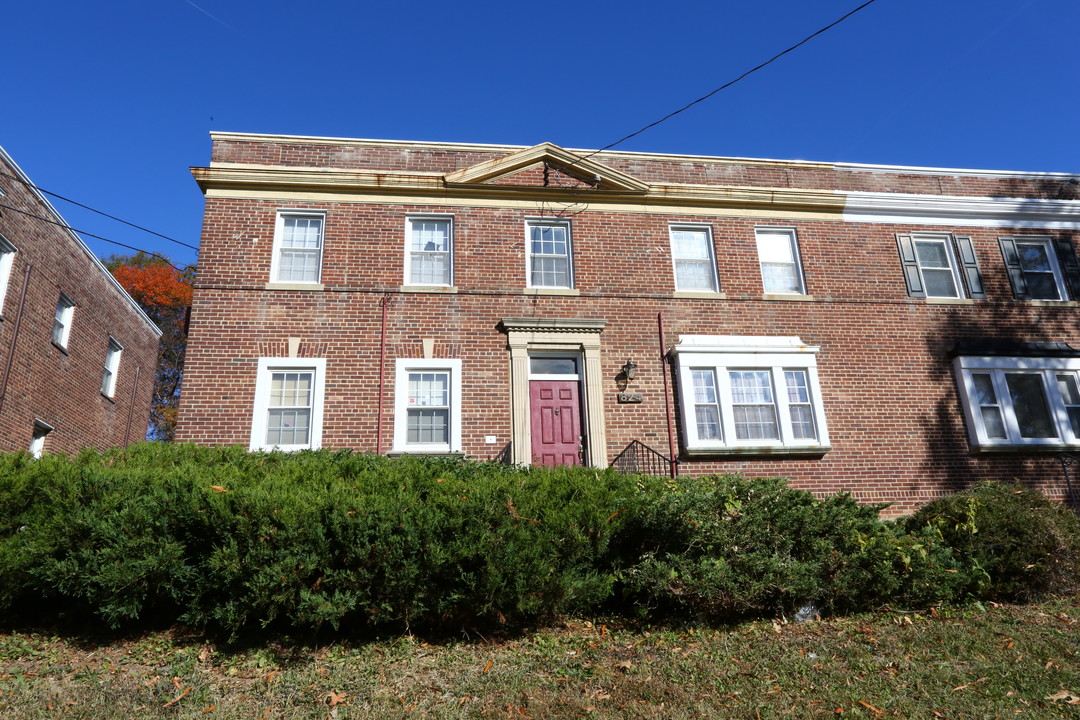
<point x="110" y="103"/>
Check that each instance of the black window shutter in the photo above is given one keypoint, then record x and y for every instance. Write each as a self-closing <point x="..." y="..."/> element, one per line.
<point x="1069" y="265"/>
<point x="970" y="265"/>
<point x="911" y="266"/>
<point x="1012" y="265"/>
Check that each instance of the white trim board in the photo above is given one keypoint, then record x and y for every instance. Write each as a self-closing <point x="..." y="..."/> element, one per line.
<point x="959" y="211"/>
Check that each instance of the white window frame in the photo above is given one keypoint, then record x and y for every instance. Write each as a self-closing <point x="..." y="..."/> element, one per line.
<point x="61" y="330"/>
<point x="1047" y="368"/>
<point x="279" y="235"/>
<point x="402" y="368"/>
<point x="1052" y="258"/>
<point x="449" y="252"/>
<point x="267" y="366"/>
<point x="945" y="239"/>
<point x="723" y="353"/>
<point x="7" y="260"/>
<point x="111" y="367"/>
<point x="530" y="223"/>
<point x="710" y="247"/>
<point x="37" y="438"/>
<point x="796" y="261"/>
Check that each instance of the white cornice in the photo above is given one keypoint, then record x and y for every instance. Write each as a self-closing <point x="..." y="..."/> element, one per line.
<point x="947" y="210"/>
<point x="969" y="172"/>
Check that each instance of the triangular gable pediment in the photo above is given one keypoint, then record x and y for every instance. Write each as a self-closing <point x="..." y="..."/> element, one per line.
<point x="595" y="174"/>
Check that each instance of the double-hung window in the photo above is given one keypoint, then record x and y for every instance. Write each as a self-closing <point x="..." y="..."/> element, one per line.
<point x="692" y="256"/>
<point x="938" y="265"/>
<point x="298" y="246"/>
<point x="7" y="259"/>
<point x="1041" y="268"/>
<point x="778" y="255"/>
<point x="111" y="367"/>
<point x="548" y="254"/>
<point x="427" y="414"/>
<point x="750" y="395"/>
<point x="429" y="251"/>
<point x="1013" y="403"/>
<point x="61" y="330"/>
<point x="288" y="404"/>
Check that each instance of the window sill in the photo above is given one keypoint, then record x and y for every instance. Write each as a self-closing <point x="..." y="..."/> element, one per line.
<point x="61" y="348"/>
<point x="759" y="450"/>
<point x="797" y="297"/>
<point x="1025" y="449"/>
<point x="699" y="295"/>
<point x="110" y="398"/>
<point x="949" y="301"/>
<point x="428" y="289"/>
<point x="1051" y="303"/>
<point x="426" y="453"/>
<point x="573" y="292"/>
<point x="293" y="286"/>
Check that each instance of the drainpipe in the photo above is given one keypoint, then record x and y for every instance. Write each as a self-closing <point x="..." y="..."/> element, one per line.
<point x="674" y="460"/>
<point x="14" y="335"/>
<point x="385" y="304"/>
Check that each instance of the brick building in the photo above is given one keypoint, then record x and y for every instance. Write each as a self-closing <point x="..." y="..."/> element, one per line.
<point x="893" y="332"/>
<point x="77" y="355"/>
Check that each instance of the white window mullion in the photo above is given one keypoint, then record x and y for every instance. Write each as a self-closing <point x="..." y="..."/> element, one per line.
<point x="783" y="408"/>
<point x="727" y="412"/>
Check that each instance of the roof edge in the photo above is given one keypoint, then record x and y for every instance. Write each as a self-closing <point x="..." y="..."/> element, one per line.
<point x="25" y="179"/>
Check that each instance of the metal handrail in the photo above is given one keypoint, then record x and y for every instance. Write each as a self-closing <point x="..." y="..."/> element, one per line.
<point x="639" y="458"/>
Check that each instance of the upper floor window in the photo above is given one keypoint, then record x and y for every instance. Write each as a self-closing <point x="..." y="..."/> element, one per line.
<point x="429" y="248"/>
<point x="937" y="265"/>
<point x="298" y="244"/>
<point x="1020" y="402"/>
<point x="111" y="367"/>
<point x="61" y="331"/>
<point x="692" y="256"/>
<point x="778" y="254"/>
<point x="7" y="259"/>
<point x="1041" y="268"/>
<point x="548" y="254"/>
<point x="749" y="394"/>
<point x="288" y="404"/>
<point x="427" y="413"/>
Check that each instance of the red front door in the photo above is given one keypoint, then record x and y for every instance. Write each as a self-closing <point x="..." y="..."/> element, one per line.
<point x="555" y="415"/>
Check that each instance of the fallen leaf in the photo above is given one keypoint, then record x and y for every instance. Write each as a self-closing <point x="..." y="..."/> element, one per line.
<point x="205" y="654"/>
<point x="179" y="697"/>
<point x="209" y="709"/>
<point x="218" y="488"/>
<point x="1066" y="696"/>
<point x="487" y="667"/>
<point x="333" y="698"/>
<point x="876" y="711"/>
<point x="625" y="665"/>
<point x="271" y="675"/>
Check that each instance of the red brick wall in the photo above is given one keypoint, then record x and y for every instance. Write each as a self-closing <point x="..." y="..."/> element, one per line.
<point x="889" y="395"/>
<point x="63" y="389"/>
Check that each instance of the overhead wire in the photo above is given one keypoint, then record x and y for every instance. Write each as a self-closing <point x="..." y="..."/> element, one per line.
<point x="99" y="212"/>
<point x="726" y="85"/>
<point x="90" y="234"/>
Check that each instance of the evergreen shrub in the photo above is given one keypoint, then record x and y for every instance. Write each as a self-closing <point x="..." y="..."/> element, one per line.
<point x="1015" y="543"/>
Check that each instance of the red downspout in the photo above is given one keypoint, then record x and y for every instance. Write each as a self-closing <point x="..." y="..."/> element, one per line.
<point x="667" y="398"/>
<point x="385" y="303"/>
<point x="14" y="335"/>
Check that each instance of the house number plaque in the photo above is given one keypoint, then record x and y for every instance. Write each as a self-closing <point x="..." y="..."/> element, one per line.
<point x="629" y="397"/>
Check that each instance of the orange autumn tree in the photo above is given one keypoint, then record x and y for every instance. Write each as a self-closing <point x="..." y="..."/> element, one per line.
<point x="164" y="294"/>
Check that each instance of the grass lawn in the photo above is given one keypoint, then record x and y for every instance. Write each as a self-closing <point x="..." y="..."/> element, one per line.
<point x="997" y="662"/>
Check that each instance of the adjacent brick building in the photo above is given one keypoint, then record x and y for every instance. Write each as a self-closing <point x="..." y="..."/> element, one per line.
<point x="77" y="355"/>
<point x="893" y="332"/>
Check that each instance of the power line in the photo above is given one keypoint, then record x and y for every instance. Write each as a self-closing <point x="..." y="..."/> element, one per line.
<point x="99" y="212"/>
<point x="89" y="234"/>
<point x="726" y="85"/>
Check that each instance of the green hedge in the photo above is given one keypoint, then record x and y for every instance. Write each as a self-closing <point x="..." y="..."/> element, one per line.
<point x="234" y="541"/>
